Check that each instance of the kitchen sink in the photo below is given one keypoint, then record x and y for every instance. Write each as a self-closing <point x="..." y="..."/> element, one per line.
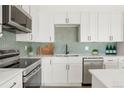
<point x="66" y="55"/>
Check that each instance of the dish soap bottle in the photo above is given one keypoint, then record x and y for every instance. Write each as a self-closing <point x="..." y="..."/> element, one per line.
<point x="114" y="50"/>
<point x="107" y="50"/>
<point x="110" y="50"/>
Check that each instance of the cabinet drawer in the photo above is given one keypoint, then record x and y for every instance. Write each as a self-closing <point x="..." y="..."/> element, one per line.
<point x="110" y="65"/>
<point x="121" y="65"/>
<point x="121" y="60"/>
<point x="110" y="60"/>
<point x="46" y="59"/>
<point x="15" y="82"/>
<point x="75" y="59"/>
<point x="59" y="60"/>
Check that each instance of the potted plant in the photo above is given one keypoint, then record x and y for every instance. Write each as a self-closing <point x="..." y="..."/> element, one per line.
<point x="95" y="52"/>
<point x="30" y="51"/>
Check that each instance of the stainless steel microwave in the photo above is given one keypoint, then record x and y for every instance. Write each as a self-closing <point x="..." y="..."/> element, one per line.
<point x="16" y="19"/>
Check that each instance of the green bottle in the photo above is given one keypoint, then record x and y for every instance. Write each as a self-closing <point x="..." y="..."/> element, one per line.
<point x="114" y="49"/>
<point x="107" y="50"/>
<point x="110" y="50"/>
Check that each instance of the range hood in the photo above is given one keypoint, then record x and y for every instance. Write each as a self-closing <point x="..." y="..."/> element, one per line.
<point x="15" y="19"/>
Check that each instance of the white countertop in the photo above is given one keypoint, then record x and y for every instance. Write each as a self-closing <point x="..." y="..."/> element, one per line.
<point x="80" y="55"/>
<point x="7" y="74"/>
<point x="110" y="77"/>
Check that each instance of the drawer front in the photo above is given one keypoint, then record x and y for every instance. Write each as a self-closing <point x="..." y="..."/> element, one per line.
<point x="59" y="60"/>
<point x="15" y="82"/>
<point x="110" y="65"/>
<point x="74" y="59"/>
<point x="121" y="65"/>
<point x="46" y="59"/>
<point x="112" y="60"/>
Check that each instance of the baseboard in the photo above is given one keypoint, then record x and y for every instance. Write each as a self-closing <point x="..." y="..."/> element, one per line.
<point x="62" y="85"/>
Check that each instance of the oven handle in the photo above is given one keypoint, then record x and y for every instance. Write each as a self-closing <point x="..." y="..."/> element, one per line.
<point x="26" y="78"/>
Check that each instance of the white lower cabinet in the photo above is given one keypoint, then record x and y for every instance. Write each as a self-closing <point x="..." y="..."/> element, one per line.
<point x="15" y="82"/>
<point x="59" y="74"/>
<point x="110" y="63"/>
<point x="46" y="70"/>
<point x="121" y="63"/>
<point x="61" y="71"/>
<point x="75" y="73"/>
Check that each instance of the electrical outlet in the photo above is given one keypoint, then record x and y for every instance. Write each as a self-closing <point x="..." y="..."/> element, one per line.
<point x="26" y="47"/>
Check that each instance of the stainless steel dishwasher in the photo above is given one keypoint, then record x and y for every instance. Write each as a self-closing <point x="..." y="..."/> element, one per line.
<point x="91" y="63"/>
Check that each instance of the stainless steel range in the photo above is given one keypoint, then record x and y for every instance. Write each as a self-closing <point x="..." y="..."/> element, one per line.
<point x="31" y="67"/>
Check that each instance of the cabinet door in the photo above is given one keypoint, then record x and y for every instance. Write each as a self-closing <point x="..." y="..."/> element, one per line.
<point x="121" y="63"/>
<point x="46" y="70"/>
<point x="110" y="63"/>
<point x="0" y="14"/>
<point x="89" y="26"/>
<point x="59" y="74"/>
<point x="31" y="37"/>
<point x="24" y="37"/>
<point x="60" y="17"/>
<point x="74" y="17"/>
<point x="104" y="27"/>
<point x="0" y="20"/>
<point x="26" y="8"/>
<point x="75" y="73"/>
<point x="117" y="26"/>
<point x="84" y="31"/>
<point x="46" y="27"/>
<point x="35" y="22"/>
<point x="15" y="82"/>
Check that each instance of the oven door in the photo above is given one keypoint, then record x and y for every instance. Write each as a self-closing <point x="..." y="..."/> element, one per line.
<point x="33" y="79"/>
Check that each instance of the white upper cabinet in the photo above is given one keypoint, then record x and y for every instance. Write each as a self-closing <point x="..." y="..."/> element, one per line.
<point x="35" y="23"/>
<point x="60" y="18"/>
<point x="74" y="17"/>
<point x="104" y="26"/>
<point x="68" y="17"/>
<point x="46" y="27"/>
<point x="110" y="27"/>
<point x="117" y="26"/>
<point x="88" y="27"/>
<point x="26" y="8"/>
<point x="31" y="37"/>
<point x="0" y="20"/>
<point x="101" y="26"/>
<point x="0" y="14"/>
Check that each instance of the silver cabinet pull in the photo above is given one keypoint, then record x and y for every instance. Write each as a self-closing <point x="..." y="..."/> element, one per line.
<point x="68" y="67"/>
<point x="110" y="60"/>
<point x="31" y="37"/>
<point x="110" y="38"/>
<point x="89" y="38"/>
<point x="14" y="83"/>
<point x="50" y="38"/>
<point x="67" y="20"/>
<point x="50" y="62"/>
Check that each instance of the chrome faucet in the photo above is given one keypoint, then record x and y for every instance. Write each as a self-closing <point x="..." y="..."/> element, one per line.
<point x="66" y="50"/>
